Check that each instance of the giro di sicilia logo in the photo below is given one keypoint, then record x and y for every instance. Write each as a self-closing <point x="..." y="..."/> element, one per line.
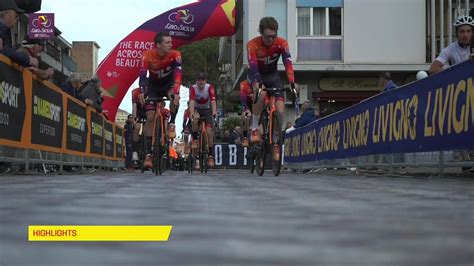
<point x="182" y="15"/>
<point x="41" y="26"/>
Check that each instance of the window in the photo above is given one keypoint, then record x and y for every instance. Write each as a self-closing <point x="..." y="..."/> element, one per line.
<point x="319" y="32"/>
<point x="319" y="21"/>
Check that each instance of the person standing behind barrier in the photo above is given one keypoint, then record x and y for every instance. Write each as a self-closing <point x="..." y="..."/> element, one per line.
<point x="236" y="136"/>
<point x="309" y="115"/>
<point x="129" y="141"/>
<point x="92" y="94"/>
<point x="8" y="19"/>
<point x="139" y="114"/>
<point x="34" y="48"/>
<point x="187" y="125"/>
<point x="73" y="86"/>
<point x="457" y="51"/>
<point x="386" y="82"/>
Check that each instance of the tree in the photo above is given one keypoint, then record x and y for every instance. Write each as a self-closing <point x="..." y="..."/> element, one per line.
<point x="231" y="122"/>
<point x="199" y="57"/>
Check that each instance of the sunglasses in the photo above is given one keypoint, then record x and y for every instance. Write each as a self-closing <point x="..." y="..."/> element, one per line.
<point x="269" y="37"/>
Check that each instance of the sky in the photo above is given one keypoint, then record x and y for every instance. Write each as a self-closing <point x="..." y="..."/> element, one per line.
<point x="107" y="22"/>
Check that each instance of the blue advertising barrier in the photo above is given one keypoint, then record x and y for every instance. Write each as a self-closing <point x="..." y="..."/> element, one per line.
<point x="436" y="113"/>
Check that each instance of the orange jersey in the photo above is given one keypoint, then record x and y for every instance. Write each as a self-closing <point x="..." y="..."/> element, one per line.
<point x="162" y="69"/>
<point x="136" y="96"/>
<point x="264" y="59"/>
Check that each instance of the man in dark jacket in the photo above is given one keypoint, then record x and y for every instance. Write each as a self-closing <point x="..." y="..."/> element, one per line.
<point x="90" y="91"/>
<point x="8" y="19"/>
<point x="128" y="141"/>
<point x="73" y="87"/>
<point x="309" y="114"/>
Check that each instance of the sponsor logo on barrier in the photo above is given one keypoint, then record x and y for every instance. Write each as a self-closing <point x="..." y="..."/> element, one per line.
<point x="76" y="122"/>
<point x="118" y="139"/>
<point x="9" y="94"/>
<point x="46" y="109"/>
<point x="97" y="129"/>
<point x="108" y="135"/>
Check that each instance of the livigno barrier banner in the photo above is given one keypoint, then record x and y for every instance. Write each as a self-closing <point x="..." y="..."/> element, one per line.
<point x="436" y="113"/>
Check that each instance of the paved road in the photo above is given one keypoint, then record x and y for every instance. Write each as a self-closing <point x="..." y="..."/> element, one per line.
<point x="230" y="217"/>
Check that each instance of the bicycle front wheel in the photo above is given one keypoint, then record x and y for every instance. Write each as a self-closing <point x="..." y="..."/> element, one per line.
<point x="276" y="144"/>
<point x="158" y="149"/>
<point x="204" y="153"/>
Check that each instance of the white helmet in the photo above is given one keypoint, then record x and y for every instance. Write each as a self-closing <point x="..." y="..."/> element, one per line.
<point x="421" y="75"/>
<point x="464" y="20"/>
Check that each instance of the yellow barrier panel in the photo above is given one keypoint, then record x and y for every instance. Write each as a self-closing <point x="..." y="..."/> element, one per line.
<point x="99" y="232"/>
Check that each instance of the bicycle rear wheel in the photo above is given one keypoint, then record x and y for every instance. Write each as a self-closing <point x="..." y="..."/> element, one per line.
<point x="262" y="153"/>
<point x="164" y="157"/>
<point x="190" y="163"/>
<point x="276" y="144"/>
<point x="252" y="162"/>
<point x="204" y="153"/>
<point x="142" y="152"/>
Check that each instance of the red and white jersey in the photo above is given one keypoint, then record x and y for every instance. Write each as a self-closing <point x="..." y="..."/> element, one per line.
<point x="202" y="97"/>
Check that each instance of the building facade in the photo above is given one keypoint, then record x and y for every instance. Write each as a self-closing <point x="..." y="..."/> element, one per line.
<point x="56" y="54"/>
<point x="340" y="47"/>
<point x="86" y="55"/>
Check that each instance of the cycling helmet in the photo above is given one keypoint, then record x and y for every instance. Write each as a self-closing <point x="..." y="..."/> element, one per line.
<point x="464" y="20"/>
<point x="421" y="75"/>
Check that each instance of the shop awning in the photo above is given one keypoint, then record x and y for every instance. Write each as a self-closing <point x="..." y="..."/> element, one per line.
<point x="343" y="96"/>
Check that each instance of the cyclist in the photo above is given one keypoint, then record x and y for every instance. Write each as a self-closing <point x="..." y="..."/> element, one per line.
<point x="164" y="66"/>
<point x="246" y="99"/>
<point x="139" y="115"/>
<point x="263" y="54"/>
<point x="202" y="105"/>
<point x="459" y="50"/>
<point x="186" y="129"/>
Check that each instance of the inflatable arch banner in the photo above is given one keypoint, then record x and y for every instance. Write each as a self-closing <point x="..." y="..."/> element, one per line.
<point x="186" y="24"/>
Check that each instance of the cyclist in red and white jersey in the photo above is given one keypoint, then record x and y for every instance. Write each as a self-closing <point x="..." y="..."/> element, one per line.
<point x="202" y="105"/>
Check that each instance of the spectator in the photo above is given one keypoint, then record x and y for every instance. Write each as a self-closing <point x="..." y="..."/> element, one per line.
<point x="73" y="86"/>
<point x="309" y="114"/>
<point x="8" y="19"/>
<point x="128" y="141"/>
<point x="226" y="135"/>
<point x="92" y="94"/>
<point x="386" y="82"/>
<point x="236" y="136"/>
<point x="33" y="48"/>
<point x="288" y="125"/>
<point x="459" y="50"/>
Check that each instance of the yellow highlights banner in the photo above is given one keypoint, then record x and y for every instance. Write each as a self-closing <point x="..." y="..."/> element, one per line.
<point x="99" y="232"/>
